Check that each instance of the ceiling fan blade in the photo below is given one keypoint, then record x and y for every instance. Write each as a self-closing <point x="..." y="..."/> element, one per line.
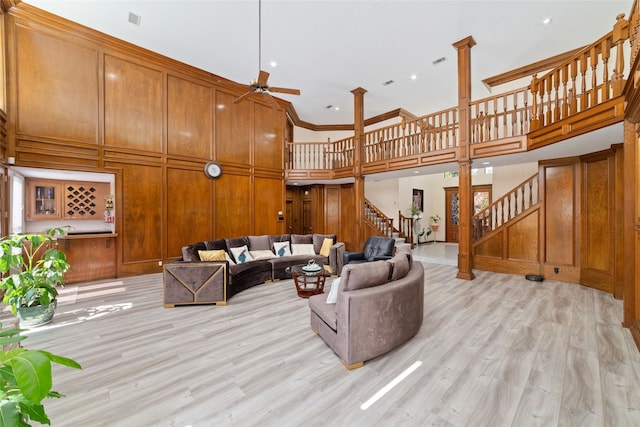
<point x="262" y="78"/>
<point x="284" y="90"/>
<point x="241" y="97"/>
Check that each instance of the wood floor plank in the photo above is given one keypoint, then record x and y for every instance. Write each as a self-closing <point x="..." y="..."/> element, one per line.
<point x="495" y="351"/>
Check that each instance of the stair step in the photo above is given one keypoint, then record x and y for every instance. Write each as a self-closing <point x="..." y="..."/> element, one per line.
<point x="395" y="235"/>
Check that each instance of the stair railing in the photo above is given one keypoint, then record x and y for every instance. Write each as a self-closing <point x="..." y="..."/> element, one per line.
<point x="506" y="208"/>
<point x="582" y="81"/>
<point x="405" y="228"/>
<point x="379" y="220"/>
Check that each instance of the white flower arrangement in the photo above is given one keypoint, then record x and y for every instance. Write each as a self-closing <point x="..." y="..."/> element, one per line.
<point x="435" y="218"/>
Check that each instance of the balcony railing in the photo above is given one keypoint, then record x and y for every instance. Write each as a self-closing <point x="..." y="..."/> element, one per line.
<point x="591" y="77"/>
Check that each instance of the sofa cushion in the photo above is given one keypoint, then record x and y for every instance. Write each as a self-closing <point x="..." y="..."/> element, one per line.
<point x="190" y="252"/>
<point x="218" y="244"/>
<point x="282" y="248"/>
<point x="236" y="242"/>
<point x="318" y="240"/>
<point x="216" y="255"/>
<point x="241" y="254"/>
<point x="264" y="254"/>
<point x="278" y="238"/>
<point x="399" y="266"/>
<point x="326" y="312"/>
<point x="366" y="275"/>
<point x="299" y="239"/>
<point x="302" y="249"/>
<point x="259" y="243"/>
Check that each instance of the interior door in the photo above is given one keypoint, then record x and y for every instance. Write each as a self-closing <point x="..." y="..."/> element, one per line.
<point x="481" y="199"/>
<point x="307" y="224"/>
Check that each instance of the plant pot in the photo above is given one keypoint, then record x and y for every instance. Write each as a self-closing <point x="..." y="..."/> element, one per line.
<point x="36" y="315"/>
<point x="435" y="227"/>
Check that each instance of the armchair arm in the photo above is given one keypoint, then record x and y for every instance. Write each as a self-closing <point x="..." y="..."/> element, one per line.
<point x="335" y="257"/>
<point x="347" y="257"/>
<point x="381" y="257"/>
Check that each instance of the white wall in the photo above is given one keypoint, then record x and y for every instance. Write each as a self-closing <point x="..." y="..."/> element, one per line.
<point x="507" y="177"/>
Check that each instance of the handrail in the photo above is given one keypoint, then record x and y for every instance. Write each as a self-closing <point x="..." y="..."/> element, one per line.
<point x="378" y="219"/>
<point x="582" y="81"/>
<point x="506" y="208"/>
<point x="405" y="227"/>
<point x="501" y="116"/>
<point x="634" y="31"/>
<point x="320" y="155"/>
<point x="433" y="132"/>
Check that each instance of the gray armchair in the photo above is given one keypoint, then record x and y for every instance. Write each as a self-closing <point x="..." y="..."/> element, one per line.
<point x="376" y="248"/>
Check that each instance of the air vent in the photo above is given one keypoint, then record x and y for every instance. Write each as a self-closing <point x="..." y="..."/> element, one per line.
<point x="328" y="107"/>
<point x="439" y="60"/>
<point x="134" y="19"/>
<point x="387" y="83"/>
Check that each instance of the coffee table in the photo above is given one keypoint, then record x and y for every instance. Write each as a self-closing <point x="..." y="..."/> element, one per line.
<point x="309" y="283"/>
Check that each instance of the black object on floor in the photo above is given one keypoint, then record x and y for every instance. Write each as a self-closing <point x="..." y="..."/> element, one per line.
<point x="534" y="277"/>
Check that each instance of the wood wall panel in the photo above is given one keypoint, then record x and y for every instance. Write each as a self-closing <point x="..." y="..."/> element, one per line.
<point x="189" y="118"/>
<point x="58" y="86"/>
<point x="522" y="239"/>
<point x="141" y="213"/>
<point x="598" y="235"/>
<point x="560" y="233"/>
<point x="347" y="218"/>
<point x="233" y="206"/>
<point x="189" y="210"/>
<point x="332" y="209"/>
<point x="233" y="129"/>
<point x="268" y="197"/>
<point x="268" y="137"/>
<point x="133" y="105"/>
<point x="493" y="247"/>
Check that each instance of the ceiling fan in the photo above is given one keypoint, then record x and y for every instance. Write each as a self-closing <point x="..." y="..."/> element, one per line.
<point x="260" y="85"/>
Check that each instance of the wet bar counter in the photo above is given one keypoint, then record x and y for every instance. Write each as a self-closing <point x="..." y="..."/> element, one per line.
<point x="92" y="256"/>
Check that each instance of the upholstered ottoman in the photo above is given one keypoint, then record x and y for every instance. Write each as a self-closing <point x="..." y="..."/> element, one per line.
<point x="195" y="283"/>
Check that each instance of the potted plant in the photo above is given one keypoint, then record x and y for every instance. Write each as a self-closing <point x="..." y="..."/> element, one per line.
<point x="32" y="269"/>
<point x="435" y="221"/>
<point x="25" y="380"/>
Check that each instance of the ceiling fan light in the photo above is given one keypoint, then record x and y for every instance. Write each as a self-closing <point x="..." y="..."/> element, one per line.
<point x="273" y="64"/>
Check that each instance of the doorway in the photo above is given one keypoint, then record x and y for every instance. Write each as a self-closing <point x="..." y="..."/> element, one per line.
<point x="481" y="199"/>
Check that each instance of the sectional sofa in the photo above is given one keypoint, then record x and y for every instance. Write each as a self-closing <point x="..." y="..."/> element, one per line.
<point x="377" y="306"/>
<point x="213" y="271"/>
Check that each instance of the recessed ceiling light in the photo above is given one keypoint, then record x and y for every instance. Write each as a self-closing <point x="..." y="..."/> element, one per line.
<point x="337" y="108"/>
<point x="416" y="172"/>
<point x="273" y="64"/>
<point x="414" y="76"/>
<point x="546" y="21"/>
<point x="486" y="163"/>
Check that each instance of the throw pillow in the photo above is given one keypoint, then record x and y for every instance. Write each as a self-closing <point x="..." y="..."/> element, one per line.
<point x="263" y="254"/>
<point x="217" y="255"/>
<point x="229" y="260"/>
<point x="325" y="250"/>
<point x="332" y="297"/>
<point x="241" y="254"/>
<point x="303" y="249"/>
<point x="281" y="248"/>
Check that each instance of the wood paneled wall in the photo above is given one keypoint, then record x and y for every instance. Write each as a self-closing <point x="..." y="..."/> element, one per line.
<point x="576" y="227"/>
<point x="81" y="100"/>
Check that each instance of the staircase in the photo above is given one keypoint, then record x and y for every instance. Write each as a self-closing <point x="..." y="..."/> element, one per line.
<point x="378" y="224"/>
<point x="507" y="209"/>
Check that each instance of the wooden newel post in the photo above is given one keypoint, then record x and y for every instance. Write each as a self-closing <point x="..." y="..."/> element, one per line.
<point x="535" y="122"/>
<point x="358" y="149"/>
<point x="620" y="34"/>
<point x="465" y="202"/>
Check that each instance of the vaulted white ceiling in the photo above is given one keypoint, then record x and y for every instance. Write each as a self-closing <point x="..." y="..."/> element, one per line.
<point x="327" y="48"/>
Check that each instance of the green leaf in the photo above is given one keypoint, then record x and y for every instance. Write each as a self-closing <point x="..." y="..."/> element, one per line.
<point x="61" y="360"/>
<point x="9" y="416"/>
<point x="35" y="411"/>
<point x="33" y="374"/>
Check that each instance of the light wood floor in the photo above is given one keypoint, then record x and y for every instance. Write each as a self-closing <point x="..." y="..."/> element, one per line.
<point x="496" y="351"/>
